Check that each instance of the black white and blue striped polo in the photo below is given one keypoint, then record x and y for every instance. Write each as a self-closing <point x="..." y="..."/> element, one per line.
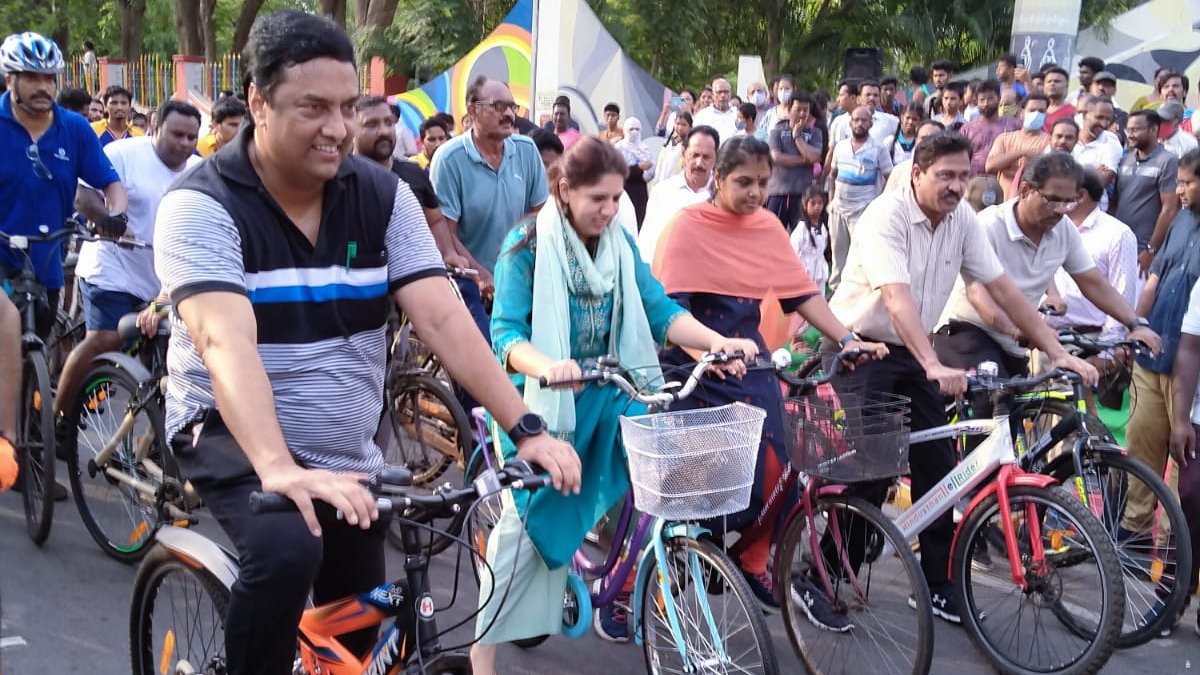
<point x="320" y="309"/>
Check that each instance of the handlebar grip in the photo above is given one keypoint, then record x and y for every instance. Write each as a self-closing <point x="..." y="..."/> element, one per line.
<point x="723" y="357"/>
<point x="544" y="382"/>
<point x="851" y="355"/>
<point x="270" y="502"/>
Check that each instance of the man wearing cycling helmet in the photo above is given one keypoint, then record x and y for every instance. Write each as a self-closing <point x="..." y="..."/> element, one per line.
<point x="47" y="152"/>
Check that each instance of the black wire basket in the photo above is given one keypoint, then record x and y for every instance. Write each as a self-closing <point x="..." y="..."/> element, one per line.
<point x="848" y="438"/>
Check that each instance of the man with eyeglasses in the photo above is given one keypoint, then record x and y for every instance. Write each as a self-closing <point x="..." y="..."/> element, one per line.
<point x="720" y="115"/>
<point x="1144" y="197"/>
<point x="487" y="180"/>
<point x="1032" y="236"/>
<point x="47" y="151"/>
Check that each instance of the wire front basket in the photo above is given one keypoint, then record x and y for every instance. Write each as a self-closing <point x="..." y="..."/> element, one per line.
<point x="848" y="438"/>
<point x="693" y="464"/>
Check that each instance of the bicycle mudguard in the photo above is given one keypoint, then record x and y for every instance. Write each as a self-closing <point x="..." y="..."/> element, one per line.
<point x="198" y="551"/>
<point x="125" y="362"/>
<point x="1036" y="480"/>
<point x="642" y="580"/>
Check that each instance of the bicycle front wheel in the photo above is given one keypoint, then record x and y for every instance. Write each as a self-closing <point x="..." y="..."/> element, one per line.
<point x="716" y="617"/>
<point x="35" y="446"/>
<point x="177" y="617"/>
<point x="867" y="623"/>
<point x="107" y="411"/>
<point x="1077" y="581"/>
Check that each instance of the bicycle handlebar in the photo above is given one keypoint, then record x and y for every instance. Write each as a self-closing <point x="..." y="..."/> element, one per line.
<point x="1092" y="346"/>
<point x="516" y="474"/>
<point x="781" y="359"/>
<point x="21" y="242"/>
<point x="606" y="369"/>
<point x="985" y="382"/>
<point x="462" y="272"/>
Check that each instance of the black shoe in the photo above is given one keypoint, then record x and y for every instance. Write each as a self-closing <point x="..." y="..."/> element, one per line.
<point x="60" y="490"/>
<point x="760" y="585"/>
<point x="945" y="604"/>
<point x="815" y="604"/>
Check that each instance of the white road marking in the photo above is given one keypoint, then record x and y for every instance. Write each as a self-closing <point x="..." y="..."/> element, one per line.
<point x="15" y="641"/>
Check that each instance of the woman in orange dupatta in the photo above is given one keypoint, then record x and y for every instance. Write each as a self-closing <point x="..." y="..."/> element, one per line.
<point x="729" y="261"/>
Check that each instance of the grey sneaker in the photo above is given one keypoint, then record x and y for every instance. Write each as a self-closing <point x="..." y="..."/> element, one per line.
<point x="816" y="606"/>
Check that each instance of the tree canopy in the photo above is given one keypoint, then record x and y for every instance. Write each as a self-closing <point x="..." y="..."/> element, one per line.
<point x="680" y="43"/>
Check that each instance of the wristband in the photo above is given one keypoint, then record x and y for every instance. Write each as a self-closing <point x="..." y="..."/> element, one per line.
<point x="850" y="337"/>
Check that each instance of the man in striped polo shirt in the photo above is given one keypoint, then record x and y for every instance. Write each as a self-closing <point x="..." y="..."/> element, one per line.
<point x="281" y="254"/>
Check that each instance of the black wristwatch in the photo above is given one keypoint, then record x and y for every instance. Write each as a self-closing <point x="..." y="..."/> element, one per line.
<point x="1138" y="322"/>
<point x="530" y="424"/>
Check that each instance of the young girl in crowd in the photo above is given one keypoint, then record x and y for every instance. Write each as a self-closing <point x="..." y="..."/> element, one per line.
<point x="810" y="238"/>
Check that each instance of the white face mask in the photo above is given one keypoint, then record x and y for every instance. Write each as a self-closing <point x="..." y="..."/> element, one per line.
<point x="1034" y="120"/>
<point x="759" y="98"/>
<point x="634" y="136"/>
<point x="785" y="96"/>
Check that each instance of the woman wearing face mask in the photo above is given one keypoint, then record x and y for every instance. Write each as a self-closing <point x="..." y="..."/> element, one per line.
<point x="784" y="89"/>
<point x="1012" y="150"/>
<point x="732" y="265"/>
<point x="641" y="166"/>
<point x="570" y="286"/>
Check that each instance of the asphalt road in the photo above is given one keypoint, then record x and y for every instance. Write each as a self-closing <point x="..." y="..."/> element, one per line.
<point x="64" y="609"/>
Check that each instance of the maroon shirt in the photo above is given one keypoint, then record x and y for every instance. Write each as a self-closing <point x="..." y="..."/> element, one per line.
<point x="982" y="133"/>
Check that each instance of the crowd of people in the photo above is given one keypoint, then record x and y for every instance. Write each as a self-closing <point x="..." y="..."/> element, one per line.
<point x="921" y="222"/>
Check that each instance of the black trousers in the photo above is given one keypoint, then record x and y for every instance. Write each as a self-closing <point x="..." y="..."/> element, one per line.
<point x="901" y="374"/>
<point x="280" y="559"/>
<point x="964" y="345"/>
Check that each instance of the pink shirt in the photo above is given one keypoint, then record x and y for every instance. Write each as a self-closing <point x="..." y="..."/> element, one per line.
<point x="982" y="133"/>
<point x="569" y="138"/>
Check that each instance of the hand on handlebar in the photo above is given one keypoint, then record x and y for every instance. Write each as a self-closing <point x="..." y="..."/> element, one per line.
<point x="950" y="381"/>
<point x="343" y="491"/>
<point x="869" y="351"/>
<point x="734" y="367"/>
<point x="1147" y="337"/>
<point x="148" y="320"/>
<point x="556" y="457"/>
<point x="1085" y="370"/>
<point x="563" y="371"/>
<point x="113" y="225"/>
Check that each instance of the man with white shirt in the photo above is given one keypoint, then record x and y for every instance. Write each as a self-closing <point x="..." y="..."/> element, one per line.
<point x="883" y="125"/>
<point x="690" y="186"/>
<point x="1178" y="142"/>
<point x="721" y="115"/>
<point x="115" y="281"/>
<point x="1098" y="148"/>
<point x="1113" y="249"/>
<point x="1032" y="237"/>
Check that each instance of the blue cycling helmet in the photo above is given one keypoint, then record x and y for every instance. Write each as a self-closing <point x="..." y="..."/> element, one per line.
<point x="30" y="53"/>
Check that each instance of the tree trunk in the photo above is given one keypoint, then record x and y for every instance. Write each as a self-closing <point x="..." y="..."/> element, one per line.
<point x="133" y="21"/>
<point x="208" y="29"/>
<point x="187" y="27"/>
<point x="62" y="28"/>
<point x="245" y="20"/>
<point x="774" y="16"/>
<point x="336" y="10"/>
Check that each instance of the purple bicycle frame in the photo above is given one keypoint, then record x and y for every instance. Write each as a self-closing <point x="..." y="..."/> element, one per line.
<point x="612" y="585"/>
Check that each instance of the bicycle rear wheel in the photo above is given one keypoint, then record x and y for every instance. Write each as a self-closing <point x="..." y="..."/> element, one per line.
<point x="873" y="596"/>
<point x="1023" y="630"/>
<point x="177" y="617"/>
<point x="35" y="446"/>
<point x="120" y="519"/>
<point x="708" y="592"/>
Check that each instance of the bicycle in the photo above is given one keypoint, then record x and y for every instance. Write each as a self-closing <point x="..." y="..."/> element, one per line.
<point x="692" y="608"/>
<point x="1061" y="438"/>
<point x="835" y="442"/>
<point x="1053" y="544"/>
<point x="119" y="459"/>
<point x="36" y="442"/>
<point x="183" y="558"/>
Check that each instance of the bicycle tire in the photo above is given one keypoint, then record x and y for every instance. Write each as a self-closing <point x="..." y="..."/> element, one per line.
<point x="67" y="333"/>
<point x="1129" y="549"/>
<point x="1101" y="641"/>
<point x="36" y="448"/>
<point x="125" y="539"/>
<point x="156" y="568"/>
<point x="443" y="416"/>
<point x="1176" y="596"/>
<point x="885" y="545"/>
<point x="716" y="570"/>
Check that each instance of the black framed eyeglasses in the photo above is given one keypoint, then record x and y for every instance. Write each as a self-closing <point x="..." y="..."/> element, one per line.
<point x="34" y="155"/>
<point x="1057" y="204"/>
<point x="500" y="107"/>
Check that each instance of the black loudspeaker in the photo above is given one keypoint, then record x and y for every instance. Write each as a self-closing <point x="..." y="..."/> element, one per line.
<point x="864" y="62"/>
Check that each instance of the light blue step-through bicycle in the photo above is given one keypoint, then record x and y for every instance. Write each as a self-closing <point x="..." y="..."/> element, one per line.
<point x="692" y="610"/>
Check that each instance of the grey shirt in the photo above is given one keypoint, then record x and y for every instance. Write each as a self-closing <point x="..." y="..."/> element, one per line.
<point x="795" y="180"/>
<point x="1139" y="183"/>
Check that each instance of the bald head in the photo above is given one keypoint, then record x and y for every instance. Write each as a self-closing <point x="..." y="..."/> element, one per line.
<point x="860" y="122"/>
<point x="721" y="93"/>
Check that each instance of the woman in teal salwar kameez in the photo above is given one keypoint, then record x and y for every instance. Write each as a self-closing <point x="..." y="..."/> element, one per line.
<point x="569" y="287"/>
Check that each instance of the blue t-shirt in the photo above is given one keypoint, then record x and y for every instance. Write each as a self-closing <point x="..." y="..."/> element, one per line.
<point x="487" y="203"/>
<point x="70" y="151"/>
